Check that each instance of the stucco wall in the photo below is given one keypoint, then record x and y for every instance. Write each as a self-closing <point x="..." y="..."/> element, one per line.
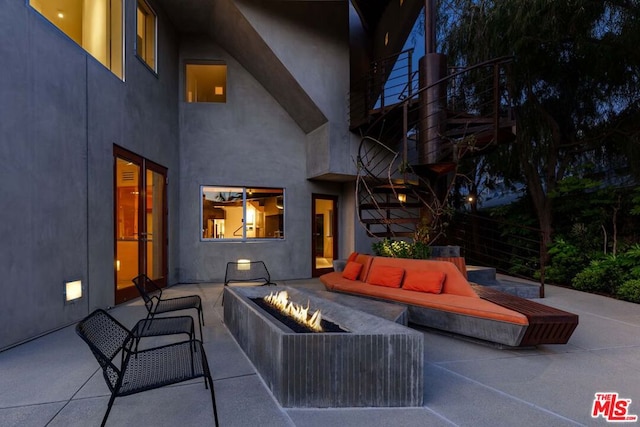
<point x="248" y="141"/>
<point x="61" y="112"/>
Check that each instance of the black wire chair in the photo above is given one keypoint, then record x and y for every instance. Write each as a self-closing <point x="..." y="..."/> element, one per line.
<point x="143" y="370"/>
<point x="249" y="271"/>
<point x="152" y="296"/>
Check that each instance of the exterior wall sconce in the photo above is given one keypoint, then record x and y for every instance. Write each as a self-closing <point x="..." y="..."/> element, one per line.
<point x="244" y="264"/>
<point x="73" y="291"/>
<point x="402" y="197"/>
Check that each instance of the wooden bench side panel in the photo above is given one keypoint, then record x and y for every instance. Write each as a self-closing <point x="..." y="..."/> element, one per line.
<point x="547" y="325"/>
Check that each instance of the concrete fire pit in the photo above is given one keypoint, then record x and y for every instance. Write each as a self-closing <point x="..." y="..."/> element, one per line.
<point x="378" y="363"/>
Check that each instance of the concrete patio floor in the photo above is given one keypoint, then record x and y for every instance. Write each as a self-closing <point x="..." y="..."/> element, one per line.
<point x="55" y="381"/>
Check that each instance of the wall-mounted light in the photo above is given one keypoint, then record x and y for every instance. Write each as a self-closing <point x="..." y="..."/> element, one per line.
<point x="218" y="90"/>
<point x="244" y="264"/>
<point x="402" y="197"/>
<point x="72" y="291"/>
<point x="60" y="14"/>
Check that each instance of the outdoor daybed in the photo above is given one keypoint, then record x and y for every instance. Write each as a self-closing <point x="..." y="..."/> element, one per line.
<point x="438" y="296"/>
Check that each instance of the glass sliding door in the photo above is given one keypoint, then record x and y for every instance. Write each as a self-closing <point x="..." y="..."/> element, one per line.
<point x="324" y="238"/>
<point x="155" y="223"/>
<point x="140" y="222"/>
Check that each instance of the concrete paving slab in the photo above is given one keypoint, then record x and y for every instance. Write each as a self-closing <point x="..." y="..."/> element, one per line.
<point x="466" y="402"/>
<point x="246" y="401"/>
<point x="368" y="417"/>
<point x="48" y="369"/>
<point x="55" y="381"/>
<point x="569" y="380"/>
<point x="30" y="415"/>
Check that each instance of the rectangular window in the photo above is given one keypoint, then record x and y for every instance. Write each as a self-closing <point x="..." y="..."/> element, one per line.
<point x="242" y="213"/>
<point x="206" y="82"/>
<point x="96" y="25"/>
<point x="146" y="34"/>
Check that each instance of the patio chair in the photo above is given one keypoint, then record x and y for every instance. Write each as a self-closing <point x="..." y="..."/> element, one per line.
<point x="144" y="370"/>
<point x="155" y="304"/>
<point x="248" y="271"/>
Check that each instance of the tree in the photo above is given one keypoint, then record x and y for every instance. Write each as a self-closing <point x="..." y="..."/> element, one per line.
<point x="574" y="83"/>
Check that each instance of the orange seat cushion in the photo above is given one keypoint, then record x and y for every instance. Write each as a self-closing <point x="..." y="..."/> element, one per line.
<point x="384" y="275"/>
<point x="351" y="270"/>
<point x="424" y="281"/>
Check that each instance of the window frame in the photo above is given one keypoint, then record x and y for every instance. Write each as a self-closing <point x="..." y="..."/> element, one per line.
<point x="148" y="12"/>
<point x="205" y="62"/>
<point x="119" y="57"/>
<point x="244" y="238"/>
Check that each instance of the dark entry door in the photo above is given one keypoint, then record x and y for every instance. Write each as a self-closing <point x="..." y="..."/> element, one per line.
<point x="140" y="212"/>
<point x="324" y="235"/>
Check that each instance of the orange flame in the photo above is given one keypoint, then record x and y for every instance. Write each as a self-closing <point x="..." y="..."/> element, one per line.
<point x="281" y="301"/>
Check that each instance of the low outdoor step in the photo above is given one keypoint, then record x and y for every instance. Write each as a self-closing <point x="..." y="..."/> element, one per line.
<point x="481" y="274"/>
<point x="487" y="277"/>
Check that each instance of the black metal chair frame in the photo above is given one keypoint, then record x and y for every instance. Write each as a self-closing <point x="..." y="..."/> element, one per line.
<point x="151" y="293"/>
<point x="257" y="271"/>
<point x="163" y="326"/>
<point x="143" y="370"/>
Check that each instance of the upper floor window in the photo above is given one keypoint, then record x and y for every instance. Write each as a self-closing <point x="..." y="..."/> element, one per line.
<point x="206" y="82"/>
<point x="96" y="25"/>
<point x="146" y="34"/>
<point x="241" y="213"/>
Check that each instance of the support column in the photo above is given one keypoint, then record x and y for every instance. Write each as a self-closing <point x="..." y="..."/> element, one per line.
<point x="432" y="107"/>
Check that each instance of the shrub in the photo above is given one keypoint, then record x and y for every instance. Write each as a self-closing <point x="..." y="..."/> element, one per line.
<point x="604" y="275"/>
<point x="630" y="290"/>
<point x="566" y="261"/>
<point x="401" y="249"/>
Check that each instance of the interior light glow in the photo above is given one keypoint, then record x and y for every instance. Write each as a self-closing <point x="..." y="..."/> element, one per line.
<point x="218" y="90"/>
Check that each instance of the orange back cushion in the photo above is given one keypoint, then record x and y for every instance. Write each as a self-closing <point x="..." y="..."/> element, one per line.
<point x="352" y="257"/>
<point x="365" y="260"/>
<point x="383" y="275"/>
<point x="351" y="270"/>
<point x="423" y="281"/>
<point x="458" y="261"/>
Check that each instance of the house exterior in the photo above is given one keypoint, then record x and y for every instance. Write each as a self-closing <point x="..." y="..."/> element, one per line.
<point x="118" y="157"/>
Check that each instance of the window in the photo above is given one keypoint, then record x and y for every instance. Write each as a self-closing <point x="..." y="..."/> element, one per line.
<point x="146" y="34"/>
<point x="206" y="82"/>
<point x="242" y="213"/>
<point x="96" y="25"/>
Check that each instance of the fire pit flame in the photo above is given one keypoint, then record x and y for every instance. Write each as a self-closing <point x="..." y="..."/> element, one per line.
<point x="281" y="301"/>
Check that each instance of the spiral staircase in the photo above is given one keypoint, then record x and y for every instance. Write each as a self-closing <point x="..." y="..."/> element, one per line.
<point x="414" y="137"/>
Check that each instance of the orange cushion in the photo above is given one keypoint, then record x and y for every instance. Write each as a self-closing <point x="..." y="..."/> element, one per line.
<point x="366" y="261"/>
<point x="352" y="257"/>
<point x="351" y="270"/>
<point x="424" y="281"/>
<point x="383" y="275"/>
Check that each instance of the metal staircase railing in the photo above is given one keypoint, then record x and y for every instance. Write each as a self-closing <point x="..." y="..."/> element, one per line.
<point x="404" y="166"/>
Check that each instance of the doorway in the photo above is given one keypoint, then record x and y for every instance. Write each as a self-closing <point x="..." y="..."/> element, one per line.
<point x="140" y="212"/>
<point x="324" y="235"/>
